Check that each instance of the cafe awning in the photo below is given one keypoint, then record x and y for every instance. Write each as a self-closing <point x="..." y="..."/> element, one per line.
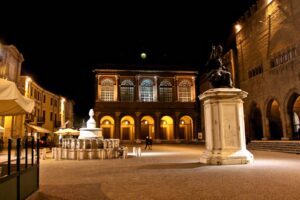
<point x="38" y="129"/>
<point x="12" y="102"/>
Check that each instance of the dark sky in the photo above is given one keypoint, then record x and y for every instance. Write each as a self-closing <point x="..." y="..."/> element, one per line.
<point x="63" y="43"/>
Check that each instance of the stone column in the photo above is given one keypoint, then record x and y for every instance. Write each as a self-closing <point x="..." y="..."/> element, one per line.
<point x="195" y="129"/>
<point x="158" y="92"/>
<point x="283" y="124"/>
<point x="175" y="99"/>
<point x="288" y="124"/>
<point x="137" y="88"/>
<point x="193" y="90"/>
<point x="176" y="125"/>
<point x="157" y="125"/>
<point x="118" y="88"/>
<point x="97" y="92"/>
<point x="266" y="132"/>
<point x="117" y="125"/>
<point x="137" y="125"/>
<point x="224" y="127"/>
<point x="155" y="90"/>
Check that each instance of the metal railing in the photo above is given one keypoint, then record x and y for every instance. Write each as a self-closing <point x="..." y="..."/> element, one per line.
<point x="18" y="169"/>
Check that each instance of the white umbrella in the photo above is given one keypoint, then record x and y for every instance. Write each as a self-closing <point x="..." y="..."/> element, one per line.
<point x="12" y="102"/>
<point x="67" y="131"/>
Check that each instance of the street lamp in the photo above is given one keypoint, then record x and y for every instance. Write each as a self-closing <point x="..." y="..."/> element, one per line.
<point x="28" y="80"/>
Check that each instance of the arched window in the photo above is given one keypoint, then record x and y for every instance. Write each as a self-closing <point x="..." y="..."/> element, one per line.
<point x="147" y="90"/>
<point x="184" y="91"/>
<point x="107" y="90"/>
<point x="165" y="91"/>
<point x="127" y="90"/>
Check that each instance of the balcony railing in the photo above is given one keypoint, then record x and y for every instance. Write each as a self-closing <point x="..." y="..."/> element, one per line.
<point x="40" y="120"/>
<point x="29" y="118"/>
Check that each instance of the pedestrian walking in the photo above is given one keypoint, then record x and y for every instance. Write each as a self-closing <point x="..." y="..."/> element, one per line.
<point x="147" y="142"/>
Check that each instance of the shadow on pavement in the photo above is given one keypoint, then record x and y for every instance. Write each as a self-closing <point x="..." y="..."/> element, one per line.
<point x="173" y="166"/>
<point x="69" y="192"/>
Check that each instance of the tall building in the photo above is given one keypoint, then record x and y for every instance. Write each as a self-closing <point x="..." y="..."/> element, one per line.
<point x="51" y="111"/>
<point x="10" y="68"/>
<point x="267" y="41"/>
<point x="132" y="104"/>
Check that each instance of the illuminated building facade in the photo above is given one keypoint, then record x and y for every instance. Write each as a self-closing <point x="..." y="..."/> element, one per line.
<point x="267" y="41"/>
<point x="51" y="111"/>
<point x="132" y="104"/>
<point x="10" y="68"/>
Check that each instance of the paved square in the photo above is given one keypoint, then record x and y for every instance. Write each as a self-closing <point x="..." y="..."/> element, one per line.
<point x="171" y="172"/>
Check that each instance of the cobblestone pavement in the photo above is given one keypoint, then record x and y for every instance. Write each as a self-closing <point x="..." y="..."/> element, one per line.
<point x="170" y="172"/>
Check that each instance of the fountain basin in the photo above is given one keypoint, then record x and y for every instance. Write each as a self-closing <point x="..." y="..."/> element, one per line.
<point x="88" y="133"/>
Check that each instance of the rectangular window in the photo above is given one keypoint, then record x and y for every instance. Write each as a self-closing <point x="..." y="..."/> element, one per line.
<point x="107" y="94"/>
<point x="185" y="94"/>
<point x="44" y="99"/>
<point x="51" y="116"/>
<point x="147" y="94"/>
<point x="127" y="93"/>
<point x="166" y="94"/>
<point x="44" y="115"/>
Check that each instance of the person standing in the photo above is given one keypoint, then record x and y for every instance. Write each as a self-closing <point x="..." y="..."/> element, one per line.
<point x="147" y="142"/>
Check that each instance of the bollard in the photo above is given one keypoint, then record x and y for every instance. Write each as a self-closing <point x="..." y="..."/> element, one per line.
<point x="53" y="153"/>
<point x="134" y="151"/>
<point x="44" y="153"/>
<point x="59" y="152"/>
<point x="125" y="152"/>
<point x="139" y="152"/>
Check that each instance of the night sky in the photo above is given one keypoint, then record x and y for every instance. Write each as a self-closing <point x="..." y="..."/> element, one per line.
<point x="63" y="43"/>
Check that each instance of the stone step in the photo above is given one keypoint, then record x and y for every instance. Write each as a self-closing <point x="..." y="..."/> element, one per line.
<point x="279" y="146"/>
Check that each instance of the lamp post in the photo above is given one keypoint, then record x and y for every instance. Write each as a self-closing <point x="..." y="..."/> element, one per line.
<point x="62" y="112"/>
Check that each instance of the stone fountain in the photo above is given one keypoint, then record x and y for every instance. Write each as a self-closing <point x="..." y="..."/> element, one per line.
<point x="89" y="145"/>
<point x="90" y="131"/>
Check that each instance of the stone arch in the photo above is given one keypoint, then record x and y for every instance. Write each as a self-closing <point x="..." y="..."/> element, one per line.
<point x="293" y="113"/>
<point x="166" y="128"/>
<point x="127" y="128"/>
<point x="147" y="127"/>
<point x="107" y="124"/>
<point x="274" y="118"/>
<point x="255" y="122"/>
<point x="186" y="127"/>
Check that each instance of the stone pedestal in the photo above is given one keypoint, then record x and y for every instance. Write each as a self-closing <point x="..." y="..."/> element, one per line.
<point x="224" y="127"/>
